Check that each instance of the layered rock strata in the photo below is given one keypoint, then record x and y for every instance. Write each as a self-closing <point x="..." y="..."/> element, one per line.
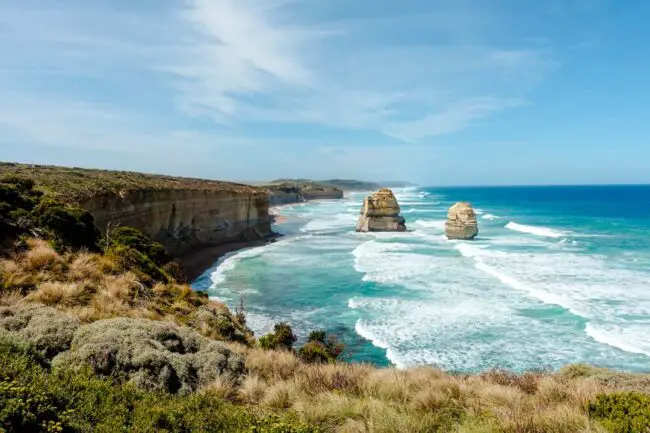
<point x="184" y="220"/>
<point x="461" y="222"/>
<point x="380" y="213"/>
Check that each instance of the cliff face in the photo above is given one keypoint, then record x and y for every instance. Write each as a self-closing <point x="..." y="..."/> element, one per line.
<point x="322" y="193"/>
<point x="184" y="220"/>
<point x="297" y="193"/>
<point x="285" y="195"/>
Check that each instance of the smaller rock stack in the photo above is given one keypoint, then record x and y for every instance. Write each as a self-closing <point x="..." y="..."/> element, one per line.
<point x="461" y="222"/>
<point x="380" y="213"/>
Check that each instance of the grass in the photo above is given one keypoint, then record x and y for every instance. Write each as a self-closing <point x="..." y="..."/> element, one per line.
<point x="93" y="286"/>
<point x="79" y="184"/>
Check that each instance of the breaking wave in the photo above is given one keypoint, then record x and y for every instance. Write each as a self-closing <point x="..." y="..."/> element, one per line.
<point x="535" y="230"/>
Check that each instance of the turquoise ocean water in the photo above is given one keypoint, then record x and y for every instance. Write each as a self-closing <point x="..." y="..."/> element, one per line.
<point x="557" y="275"/>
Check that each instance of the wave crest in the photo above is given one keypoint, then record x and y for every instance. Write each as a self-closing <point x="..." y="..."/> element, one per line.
<point x="535" y="230"/>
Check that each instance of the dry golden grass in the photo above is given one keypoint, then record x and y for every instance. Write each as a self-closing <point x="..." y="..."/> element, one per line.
<point x="41" y="256"/>
<point x="281" y="395"/>
<point x="222" y="388"/>
<point x="252" y="389"/>
<point x="92" y="287"/>
<point x="272" y="365"/>
<point x="86" y="266"/>
<point x="56" y="293"/>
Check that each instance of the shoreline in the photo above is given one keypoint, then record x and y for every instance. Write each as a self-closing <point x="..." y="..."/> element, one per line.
<point x="196" y="263"/>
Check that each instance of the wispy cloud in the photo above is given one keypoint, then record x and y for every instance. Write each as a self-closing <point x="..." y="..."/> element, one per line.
<point x="133" y="76"/>
<point x="254" y="63"/>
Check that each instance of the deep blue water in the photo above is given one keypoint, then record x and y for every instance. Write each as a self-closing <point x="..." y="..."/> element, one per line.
<point x="557" y="275"/>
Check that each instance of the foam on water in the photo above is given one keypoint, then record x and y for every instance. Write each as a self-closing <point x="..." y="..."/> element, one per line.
<point x="459" y="305"/>
<point x="437" y="224"/>
<point x="535" y="230"/>
<point x="584" y="285"/>
<point x="634" y="339"/>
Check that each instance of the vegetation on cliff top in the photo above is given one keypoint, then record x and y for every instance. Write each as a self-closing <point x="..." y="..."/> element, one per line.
<point x="150" y="354"/>
<point x="343" y="184"/>
<point x="77" y="184"/>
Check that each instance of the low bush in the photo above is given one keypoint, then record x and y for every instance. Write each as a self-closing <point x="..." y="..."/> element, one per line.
<point x="34" y="398"/>
<point x="134" y="238"/>
<point x="282" y="338"/>
<point x="321" y="348"/>
<point x="70" y="226"/>
<point x="622" y="412"/>
<point x="130" y="259"/>
<point x="24" y="210"/>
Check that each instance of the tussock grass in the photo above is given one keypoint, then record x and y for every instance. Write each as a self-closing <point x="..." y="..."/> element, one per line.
<point x="92" y="286"/>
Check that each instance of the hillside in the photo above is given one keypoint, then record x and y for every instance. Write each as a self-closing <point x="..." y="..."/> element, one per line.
<point x="99" y="333"/>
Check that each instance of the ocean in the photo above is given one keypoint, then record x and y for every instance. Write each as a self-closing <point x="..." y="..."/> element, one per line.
<point x="557" y="275"/>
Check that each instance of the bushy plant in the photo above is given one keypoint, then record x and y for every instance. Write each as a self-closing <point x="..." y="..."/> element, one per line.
<point x="134" y="238"/>
<point x="70" y="225"/>
<point x="282" y="338"/>
<point x="131" y="259"/>
<point x="321" y="348"/>
<point x="622" y="412"/>
<point x="34" y="398"/>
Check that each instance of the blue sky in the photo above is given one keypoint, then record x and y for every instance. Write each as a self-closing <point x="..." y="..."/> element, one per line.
<point x="441" y="92"/>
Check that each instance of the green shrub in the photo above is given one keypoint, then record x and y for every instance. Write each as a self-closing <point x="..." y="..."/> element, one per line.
<point x="321" y="348"/>
<point x="131" y="259"/>
<point x="282" y="338"/>
<point x="622" y="412"/>
<point x="134" y="238"/>
<point x="36" y="399"/>
<point x="71" y="225"/>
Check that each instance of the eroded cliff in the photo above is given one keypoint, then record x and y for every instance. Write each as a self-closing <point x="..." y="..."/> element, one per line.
<point x="184" y="220"/>
<point x="183" y="214"/>
<point x="288" y="193"/>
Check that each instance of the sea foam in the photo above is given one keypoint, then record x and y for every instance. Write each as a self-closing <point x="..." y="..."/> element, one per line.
<point x="535" y="230"/>
<point x="620" y="338"/>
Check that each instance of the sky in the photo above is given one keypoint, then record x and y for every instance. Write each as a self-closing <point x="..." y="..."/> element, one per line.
<point x="439" y="92"/>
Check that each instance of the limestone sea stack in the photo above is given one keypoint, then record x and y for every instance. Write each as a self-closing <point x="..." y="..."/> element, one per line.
<point x="461" y="222"/>
<point x="380" y="213"/>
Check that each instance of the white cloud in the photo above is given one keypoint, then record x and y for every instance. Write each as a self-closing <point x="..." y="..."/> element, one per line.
<point x="451" y="119"/>
<point x="130" y="76"/>
<point x="255" y="63"/>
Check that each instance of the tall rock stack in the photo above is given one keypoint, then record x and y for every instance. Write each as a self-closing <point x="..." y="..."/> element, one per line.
<point x="380" y="213"/>
<point x="461" y="222"/>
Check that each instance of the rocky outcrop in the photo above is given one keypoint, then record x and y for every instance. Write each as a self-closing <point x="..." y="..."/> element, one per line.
<point x="380" y="213"/>
<point x="461" y="222"/>
<point x="185" y="220"/>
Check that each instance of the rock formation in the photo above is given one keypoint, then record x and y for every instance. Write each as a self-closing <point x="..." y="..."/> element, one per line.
<point x="461" y="222"/>
<point x="380" y="213"/>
